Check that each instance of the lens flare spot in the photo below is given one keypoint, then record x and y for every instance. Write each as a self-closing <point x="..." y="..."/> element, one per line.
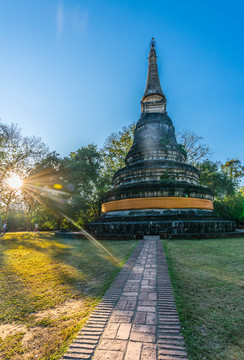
<point x="70" y="187"/>
<point x="14" y="181"/>
<point x="58" y="186"/>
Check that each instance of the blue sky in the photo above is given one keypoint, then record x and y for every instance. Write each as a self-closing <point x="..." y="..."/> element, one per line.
<point x="73" y="71"/>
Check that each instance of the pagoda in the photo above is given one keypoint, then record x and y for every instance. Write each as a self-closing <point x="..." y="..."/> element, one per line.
<point x="157" y="192"/>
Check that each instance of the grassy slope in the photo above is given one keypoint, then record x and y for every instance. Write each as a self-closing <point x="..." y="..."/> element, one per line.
<point x="42" y="272"/>
<point x="208" y="281"/>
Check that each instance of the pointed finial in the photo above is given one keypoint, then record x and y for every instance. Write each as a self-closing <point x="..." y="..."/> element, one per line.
<point x="152" y="52"/>
<point x="152" y="43"/>
<point x="153" y="84"/>
<point x="150" y="102"/>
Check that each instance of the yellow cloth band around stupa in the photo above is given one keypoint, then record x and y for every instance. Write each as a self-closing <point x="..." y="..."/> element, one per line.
<point x="158" y="203"/>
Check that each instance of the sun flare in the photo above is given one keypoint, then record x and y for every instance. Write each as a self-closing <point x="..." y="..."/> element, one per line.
<point x="15" y="182"/>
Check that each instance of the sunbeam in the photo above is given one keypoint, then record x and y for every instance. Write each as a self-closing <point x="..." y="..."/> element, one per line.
<point x="36" y="198"/>
<point x="52" y="192"/>
<point x="91" y="238"/>
<point x="33" y="190"/>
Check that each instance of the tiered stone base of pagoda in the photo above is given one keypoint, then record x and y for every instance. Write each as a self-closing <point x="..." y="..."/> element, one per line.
<point x="186" y="223"/>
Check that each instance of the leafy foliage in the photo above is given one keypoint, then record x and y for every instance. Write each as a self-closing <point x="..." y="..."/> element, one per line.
<point x="224" y="180"/>
<point x="212" y="176"/>
<point x="167" y="177"/>
<point x="82" y="172"/>
<point x="231" y="207"/>
<point x="234" y="169"/>
<point x="181" y="147"/>
<point x="116" y="148"/>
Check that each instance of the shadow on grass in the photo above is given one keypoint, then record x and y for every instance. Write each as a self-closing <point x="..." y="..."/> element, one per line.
<point x="42" y="271"/>
<point x="16" y="300"/>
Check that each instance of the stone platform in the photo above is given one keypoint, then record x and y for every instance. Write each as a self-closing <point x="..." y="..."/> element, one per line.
<point x="137" y="318"/>
<point x="163" y="235"/>
<point x="184" y="223"/>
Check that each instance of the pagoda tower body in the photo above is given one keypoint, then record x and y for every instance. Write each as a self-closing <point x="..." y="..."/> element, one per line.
<point x="157" y="192"/>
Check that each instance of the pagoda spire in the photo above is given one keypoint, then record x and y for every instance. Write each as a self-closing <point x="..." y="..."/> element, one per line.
<point x="153" y="83"/>
<point x="153" y="94"/>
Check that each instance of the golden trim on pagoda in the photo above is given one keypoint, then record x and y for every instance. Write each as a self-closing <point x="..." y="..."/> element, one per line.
<point x="157" y="203"/>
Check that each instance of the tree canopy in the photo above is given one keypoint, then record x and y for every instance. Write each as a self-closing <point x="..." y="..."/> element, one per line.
<point x="18" y="155"/>
<point x="116" y="148"/>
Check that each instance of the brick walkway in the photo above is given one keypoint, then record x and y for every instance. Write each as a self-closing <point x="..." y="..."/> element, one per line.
<point x="137" y="317"/>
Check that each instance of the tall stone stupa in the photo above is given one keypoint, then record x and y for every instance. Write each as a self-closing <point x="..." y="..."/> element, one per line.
<point x="157" y="192"/>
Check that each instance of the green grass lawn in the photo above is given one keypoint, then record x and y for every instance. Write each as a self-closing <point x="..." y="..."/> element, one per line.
<point x="208" y="281"/>
<point x="48" y="287"/>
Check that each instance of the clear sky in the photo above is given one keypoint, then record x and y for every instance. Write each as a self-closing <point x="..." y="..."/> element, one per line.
<point x="73" y="71"/>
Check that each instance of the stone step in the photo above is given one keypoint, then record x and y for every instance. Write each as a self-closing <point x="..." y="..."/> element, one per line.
<point x="151" y="237"/>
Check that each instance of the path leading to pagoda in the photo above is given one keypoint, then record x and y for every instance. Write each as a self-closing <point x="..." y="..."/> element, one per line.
<point x="137" y="317"/>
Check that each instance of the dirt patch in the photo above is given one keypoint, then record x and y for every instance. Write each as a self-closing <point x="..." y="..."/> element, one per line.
<point x="56" y="323"/>
<point x="67" y="309"/>
<point x="11" y="329"/>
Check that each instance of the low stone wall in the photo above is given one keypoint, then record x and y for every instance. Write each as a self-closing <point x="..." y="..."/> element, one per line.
<point x="162" y="228"/>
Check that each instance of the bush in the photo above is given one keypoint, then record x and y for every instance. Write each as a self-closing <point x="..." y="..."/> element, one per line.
<point x="231" y="207"/>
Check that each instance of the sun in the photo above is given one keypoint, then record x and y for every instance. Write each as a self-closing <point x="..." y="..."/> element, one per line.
<point x="15" y="182"/>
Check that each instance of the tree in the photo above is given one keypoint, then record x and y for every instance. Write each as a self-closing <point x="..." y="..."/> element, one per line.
<point x="212" y="176"/>
<point x="18" y="155"/>
<point x="116" y="148"/>
<point x="85" y="182"/>
<point x="222" y="180"/>
<point x="234" y="169"/>
<point x="192" y="143"/>
<point x="231" y="207"/>
<point x="41" y="191"/>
